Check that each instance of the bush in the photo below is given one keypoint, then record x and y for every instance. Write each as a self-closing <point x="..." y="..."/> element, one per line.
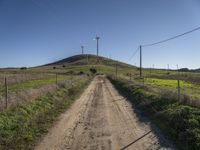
<point x="23" y="68"/>
<point x="93" y="70"/>
<point x="81" y="73"/>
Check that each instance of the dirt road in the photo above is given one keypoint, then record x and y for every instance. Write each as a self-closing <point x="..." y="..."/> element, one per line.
<point x="103" y="119"/>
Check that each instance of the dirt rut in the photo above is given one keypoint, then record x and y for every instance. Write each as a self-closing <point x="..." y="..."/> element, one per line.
<point x="101" y="119"/>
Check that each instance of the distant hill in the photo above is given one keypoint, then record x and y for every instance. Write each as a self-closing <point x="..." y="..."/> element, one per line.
<point x="189" y="70"/>
<point x="87" y="59"/>
<point x="196" y="70"/>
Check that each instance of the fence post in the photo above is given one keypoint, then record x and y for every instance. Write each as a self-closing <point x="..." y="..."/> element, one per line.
<point x="56" y="81"/>
<point x="6" y="92"/>
<point x="116" y="70"/>
<point x="179" y="90"/>
<point x="143" y="80"/>
<point x="87" y="59"/>
<point x="71" y="78"/>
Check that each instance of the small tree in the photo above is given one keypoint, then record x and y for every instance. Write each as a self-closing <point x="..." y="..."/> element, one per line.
<point x="93" y="70"/>
<point x="23" y="68"/>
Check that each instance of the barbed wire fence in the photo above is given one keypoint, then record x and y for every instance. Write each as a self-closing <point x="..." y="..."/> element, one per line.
<point x="181" y="89"/>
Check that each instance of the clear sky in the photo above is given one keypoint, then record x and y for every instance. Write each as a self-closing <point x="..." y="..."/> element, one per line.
<point x="36" y="32"/>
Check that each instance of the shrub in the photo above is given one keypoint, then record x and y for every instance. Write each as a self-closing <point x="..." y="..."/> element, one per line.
<point x="93" y="70"/>
<point x="81" y="73"/>
<point x="23" y="68"/>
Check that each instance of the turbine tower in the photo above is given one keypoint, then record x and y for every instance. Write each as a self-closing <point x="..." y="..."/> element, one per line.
<point x="82" y="48"/>
<point x="97" y="39"/>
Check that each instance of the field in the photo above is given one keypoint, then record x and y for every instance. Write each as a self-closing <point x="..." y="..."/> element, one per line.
<point x="37" y="96"/>
<point x="190" y="89"/>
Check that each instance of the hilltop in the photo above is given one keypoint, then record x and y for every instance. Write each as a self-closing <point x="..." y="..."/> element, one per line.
<point x="86" y="59"/>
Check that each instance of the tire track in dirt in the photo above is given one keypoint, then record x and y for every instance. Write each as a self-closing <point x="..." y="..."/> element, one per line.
<point x="101" y="119"/>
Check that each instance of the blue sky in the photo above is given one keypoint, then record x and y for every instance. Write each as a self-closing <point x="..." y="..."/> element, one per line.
<point x="35" y="32"/>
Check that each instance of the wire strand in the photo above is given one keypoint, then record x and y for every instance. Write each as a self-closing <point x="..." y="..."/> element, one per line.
<point x="133" y="55"/>
<point x="172" y="38"/>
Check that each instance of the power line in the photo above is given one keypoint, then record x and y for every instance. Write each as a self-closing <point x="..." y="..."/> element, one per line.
<point x="172" y="38"/>
<point x="133" y="55"/>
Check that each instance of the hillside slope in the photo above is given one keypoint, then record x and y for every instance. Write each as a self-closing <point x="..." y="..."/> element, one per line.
<point x="86" y="59"/>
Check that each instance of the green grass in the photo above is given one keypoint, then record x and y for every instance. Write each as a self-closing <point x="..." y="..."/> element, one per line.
<point x="163" y="83"/>
<point x="180" y="122"/>
<point x="31" y="84"/>
<point x="192" y="90"/>
<point x="22" y="127"/>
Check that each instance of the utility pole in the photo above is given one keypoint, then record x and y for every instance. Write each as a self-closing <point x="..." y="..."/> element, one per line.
<point x="87" y="59"/>
<point x="82" y="48"/>
<point x="150" y="70"/>
<point x="167" y="70"/>
<point x="140" y="61"/>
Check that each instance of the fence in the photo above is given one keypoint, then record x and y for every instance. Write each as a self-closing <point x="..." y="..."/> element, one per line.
<point x="184" y="91"/>
<point x="16" y="93"/>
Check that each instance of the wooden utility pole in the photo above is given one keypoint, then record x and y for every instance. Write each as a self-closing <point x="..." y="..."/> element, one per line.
<point x="6" y="92"/>
<point x="87" y="59"/>
<point x="150" y="70"/>
<point x="140" y="61"/>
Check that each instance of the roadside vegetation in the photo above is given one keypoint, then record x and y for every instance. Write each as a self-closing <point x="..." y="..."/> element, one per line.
<point x="22" y="127"/>
<point x="180" y="122"/>
<point x="187" y="88"/>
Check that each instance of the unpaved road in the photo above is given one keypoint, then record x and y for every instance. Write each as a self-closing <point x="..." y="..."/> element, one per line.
<point x="101" y="119"/>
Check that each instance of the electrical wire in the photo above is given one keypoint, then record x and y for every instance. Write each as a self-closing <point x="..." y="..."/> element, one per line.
<point x="172" y="38"/>
<point x="133" y="55"/>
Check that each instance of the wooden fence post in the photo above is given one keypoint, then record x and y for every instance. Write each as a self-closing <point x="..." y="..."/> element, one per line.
<point x="71" y="79"/>
<point x="116" y="70"/>
<point x="56" y="81"/>
<point x="179" y="90"/>
<point x="6" y="92"/>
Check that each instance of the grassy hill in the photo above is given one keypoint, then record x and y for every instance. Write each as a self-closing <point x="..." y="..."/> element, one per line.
<point x="86" y="59"/>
